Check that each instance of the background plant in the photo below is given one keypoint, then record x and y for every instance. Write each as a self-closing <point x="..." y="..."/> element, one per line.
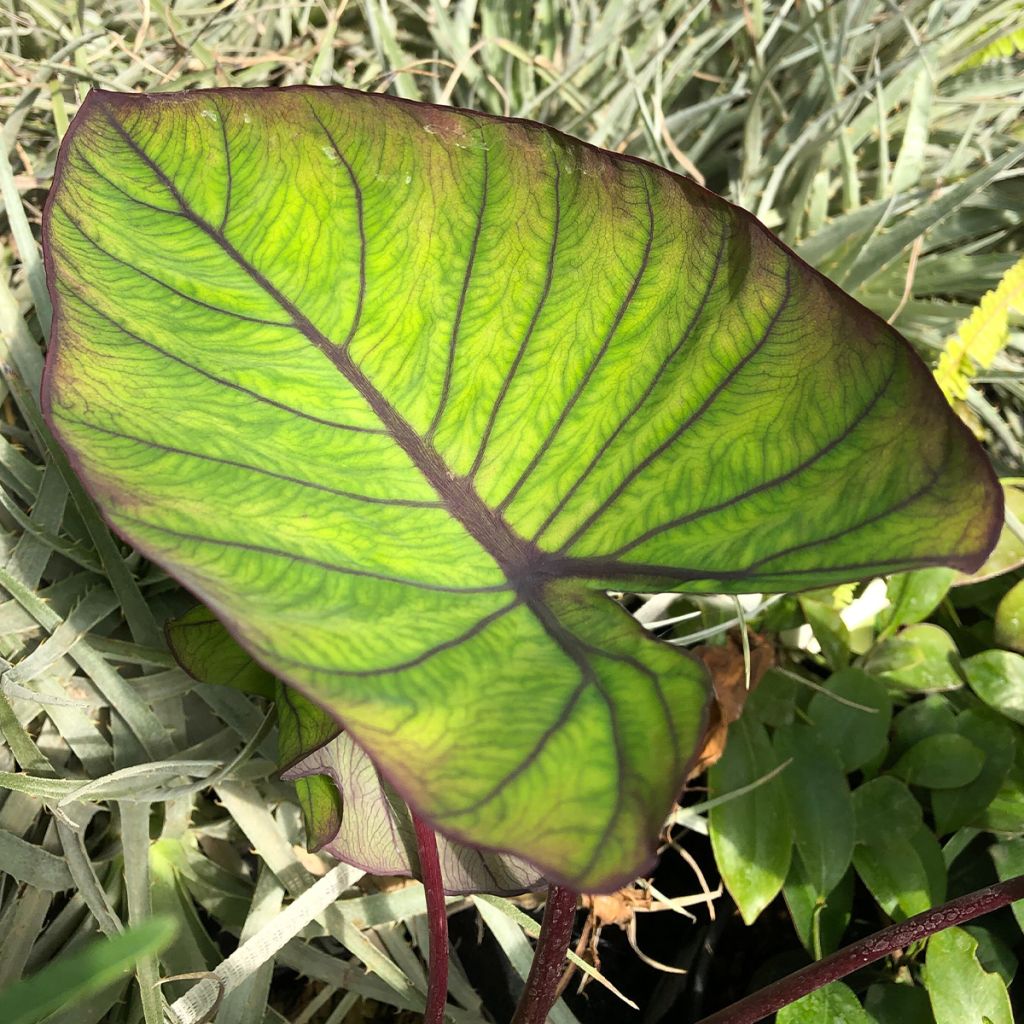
<point x="881" y="143"/>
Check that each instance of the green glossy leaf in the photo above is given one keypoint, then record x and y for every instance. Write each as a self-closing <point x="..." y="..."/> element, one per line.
<point x="820" y="919"/>
<point x="913" y="596"/>
<point x="401" y="391"/>
<point x="920" y="719"/>
<point x="1009" y="550"/>
<point x="835" y="1003"/>
<point x="321" y="806"/>
<point x="858" y="733"/>
<point x="960" y="989"/>
<point x="1006" y="811"/>
<point x="994" y="955"/>
<point x="302" y="726"/>
<point x="943" y="761"/>
<point x="76" y="976"/>
<point x="198" y="641"/>
<point x="895" y="875"/>
<point x="929" y="853"/>
<point x="773" y="700"/>
<point x="1009" y="620"/>
<point x="898" y="1004"/>
<point x="1008" y="857"/>
<point x="821" y="806"/>
<point x="920" y="657"/>
<point x="885" y="804"/>
<point x="896" y="857"/>
<point x="954" y="808"/>
<point x="751" y="834"/>
<point x="997" y="677"/>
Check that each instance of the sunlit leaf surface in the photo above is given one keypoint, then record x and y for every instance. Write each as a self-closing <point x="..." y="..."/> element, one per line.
<point x="400" y="391"/>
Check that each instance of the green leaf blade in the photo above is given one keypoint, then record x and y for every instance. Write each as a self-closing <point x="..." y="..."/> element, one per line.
<point x="99" y="964"/>
<point x="942" y="761"/>
<point x="822" y="807"/>
<point x="997" y="677"/>
<point x="958" y="807"/>
<point x="751" y="834"/>
<point x="858" y="729"/>
<point x="836" y="1003"/>
<point x="392" y="365"/>
<point x="960" y="989"/>
<point x="196" y="640"/>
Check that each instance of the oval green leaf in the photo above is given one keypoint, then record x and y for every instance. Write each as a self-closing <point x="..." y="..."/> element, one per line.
<point x="997" y="677"/>
<point x="820" y="804"/>
<point x="954" y="808"/>
<point x="921" y="718"/>
<point x="1005" y="813"/>
<point x="899" y="1003"/>
<point x="885" y="805"/>
<point x="943" y="761"/>
<point x="835" y="1003"/>
<point x="960" y="989"/>
<point x="751" y="834"/>
<point x="401" y="391"/>
<point x="913" y="596"/>
<point x="1009" y="620"/>
<point x="922" y="657"/>
<point x="819" y="918"/>
<point x="856" y="725"/>
<point x="1008" y="857"/>
<point x="895" y="874"/>
<point x="994" y="955"/>
<point x="896" y="856"/>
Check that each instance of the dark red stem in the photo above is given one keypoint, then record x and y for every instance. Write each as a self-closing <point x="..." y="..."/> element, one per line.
<point x="437" y="923"/>
<point x="549" y="959"/>
<point x="845" y="961"/>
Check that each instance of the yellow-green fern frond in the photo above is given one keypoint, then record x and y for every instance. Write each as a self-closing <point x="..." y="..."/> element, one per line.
<point x="842" y="596"/>
<point x="982" y="336"/>
<point x="1005" y="46"/>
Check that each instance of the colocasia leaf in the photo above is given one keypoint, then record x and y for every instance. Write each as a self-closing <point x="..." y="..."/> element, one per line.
<point x="376" y="831"/>
<point x="401" y="391"/>
<point x="206" y="652"/>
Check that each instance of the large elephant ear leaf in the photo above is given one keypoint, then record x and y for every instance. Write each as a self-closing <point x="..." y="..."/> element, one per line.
<point x="400" y="391"/>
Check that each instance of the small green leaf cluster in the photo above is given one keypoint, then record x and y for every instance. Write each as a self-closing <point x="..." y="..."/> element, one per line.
<point x="882" y="761"/>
